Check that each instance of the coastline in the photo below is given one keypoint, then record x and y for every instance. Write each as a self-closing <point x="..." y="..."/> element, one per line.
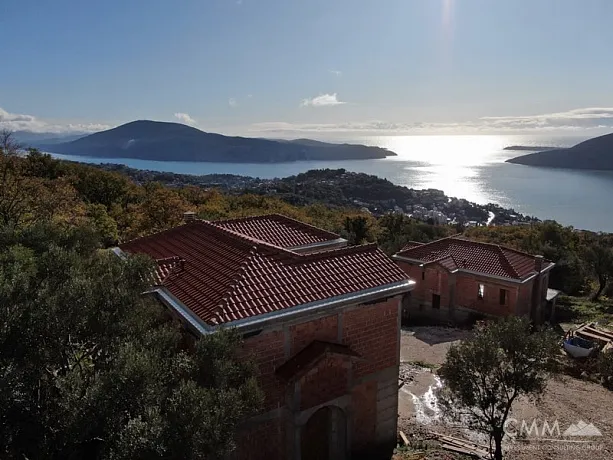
<point x="572" y="198"/>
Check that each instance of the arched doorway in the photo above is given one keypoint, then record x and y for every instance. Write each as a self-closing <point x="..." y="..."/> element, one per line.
<point x="324" y="437"/>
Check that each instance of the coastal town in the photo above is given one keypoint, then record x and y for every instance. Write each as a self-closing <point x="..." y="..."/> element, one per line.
<point x="339" y="187"/>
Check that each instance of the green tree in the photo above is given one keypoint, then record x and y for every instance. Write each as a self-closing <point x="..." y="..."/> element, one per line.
<point x="357" y="229"/>
<point x="484" y="375"/>
<point x="91" y="369"/>
<point x="104" y="224"/>
<point x="599" y="259"/>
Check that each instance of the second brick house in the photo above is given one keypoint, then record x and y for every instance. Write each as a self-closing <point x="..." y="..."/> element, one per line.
<point x="456" y="276"/>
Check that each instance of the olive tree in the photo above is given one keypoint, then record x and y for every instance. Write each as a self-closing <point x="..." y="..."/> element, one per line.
<point x="91" y="369"/>
<point x="484" y="375"/>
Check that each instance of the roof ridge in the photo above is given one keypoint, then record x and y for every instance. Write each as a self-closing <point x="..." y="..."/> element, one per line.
<point x="155" y="234"/>
<point x="500" y="246"/>
<point x="510" y="265"/>
<point x="278" y="216"/>
<point x="426" y="244"/>
<point x="305" y="224"/>
<point x="176" y="265"/>
<point x="334" y="252"/>
<point x="243" y="238"/>
<point x="499" y="250"/>
<point x="238" y="277"/>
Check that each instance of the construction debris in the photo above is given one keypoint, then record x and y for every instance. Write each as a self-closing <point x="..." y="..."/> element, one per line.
<point x="461" y="446"/>
<point x="594" y="333"/>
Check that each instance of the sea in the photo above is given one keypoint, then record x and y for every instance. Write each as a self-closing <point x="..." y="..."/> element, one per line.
<point x="464" y="166"/>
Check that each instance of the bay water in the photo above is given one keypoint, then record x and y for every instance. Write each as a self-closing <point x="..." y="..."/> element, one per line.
<point x="470" y="167"/>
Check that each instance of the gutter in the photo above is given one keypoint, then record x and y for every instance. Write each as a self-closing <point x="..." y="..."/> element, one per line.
<point x="259" y="321"/>
<point x="189" y="317"/>
<point x="332" y="303"/>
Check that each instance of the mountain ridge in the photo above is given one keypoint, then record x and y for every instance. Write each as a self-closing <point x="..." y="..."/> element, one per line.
<point x="595" y="154"/>
<point x="167" y="141"/>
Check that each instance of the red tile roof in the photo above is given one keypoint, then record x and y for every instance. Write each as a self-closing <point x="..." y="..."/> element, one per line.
<point x="455" y="253"/>
<point x="279" y="230"/>
<point x="224" y="276"/>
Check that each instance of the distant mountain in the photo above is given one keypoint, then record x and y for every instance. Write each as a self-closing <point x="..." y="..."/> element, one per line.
<point x="32" y="139"/>
<point x="161" y="141"/>
<point x="596" y="153"/>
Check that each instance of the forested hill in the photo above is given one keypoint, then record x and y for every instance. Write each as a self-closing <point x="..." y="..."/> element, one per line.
<point x="161" y="141"/>
<point x="596" y="153"/>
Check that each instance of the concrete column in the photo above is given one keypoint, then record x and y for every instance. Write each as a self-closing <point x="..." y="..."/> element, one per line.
<point x="451" y="285"/>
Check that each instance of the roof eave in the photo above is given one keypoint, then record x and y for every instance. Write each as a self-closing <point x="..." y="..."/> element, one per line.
<point x="245" y="325"/>
<point x="330" y="304"/>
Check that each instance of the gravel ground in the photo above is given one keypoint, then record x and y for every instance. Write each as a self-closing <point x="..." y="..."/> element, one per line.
<point x="567" y="400"/>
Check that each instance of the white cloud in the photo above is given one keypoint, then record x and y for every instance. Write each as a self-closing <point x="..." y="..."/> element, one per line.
<point x="232" y="102"/>
<point x="185" y="118"/>
<point x="337" y="73"/>
<point x="570" y="121"/>
<point x="21" y="122"/>
<point x="323" y="100"/>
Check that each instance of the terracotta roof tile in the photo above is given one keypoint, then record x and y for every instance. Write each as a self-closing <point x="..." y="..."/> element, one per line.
<point x="222" y="275"/>
<point x="279" y="230"/>
<point x="460" y="253"/>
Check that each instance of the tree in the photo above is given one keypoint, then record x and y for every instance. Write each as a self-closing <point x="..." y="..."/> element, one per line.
<point x="357" y="229"/>
<point x="599" y="258"/>
<point x="484" y="375"/>
<point x="90" y="368"/>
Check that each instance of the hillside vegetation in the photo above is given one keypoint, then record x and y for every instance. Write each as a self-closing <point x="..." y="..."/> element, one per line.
<point x="36" y="188"/>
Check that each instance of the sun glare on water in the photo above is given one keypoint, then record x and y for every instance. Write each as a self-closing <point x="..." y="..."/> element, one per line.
<point x="451" y="151"/>
<point x="450" y="163"/>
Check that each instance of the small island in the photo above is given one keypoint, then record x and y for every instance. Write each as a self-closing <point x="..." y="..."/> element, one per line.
<point x="529" y="148"/>
<point x="162" y="141"/>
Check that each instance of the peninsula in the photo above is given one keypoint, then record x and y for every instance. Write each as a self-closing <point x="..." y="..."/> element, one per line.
<point x="162" y="141"/>
<point x="596" y="153"/>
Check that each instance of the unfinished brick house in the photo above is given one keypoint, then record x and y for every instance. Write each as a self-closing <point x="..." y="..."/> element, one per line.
<point x="322" y="320"/>
<point x="456" y="277"/>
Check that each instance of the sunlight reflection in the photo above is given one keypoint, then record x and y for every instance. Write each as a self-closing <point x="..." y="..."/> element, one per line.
<point x="446" y="150"/>
<point x="458" y="181"/>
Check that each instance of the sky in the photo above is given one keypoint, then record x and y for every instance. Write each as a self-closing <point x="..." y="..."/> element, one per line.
<point x="321" y="67"/>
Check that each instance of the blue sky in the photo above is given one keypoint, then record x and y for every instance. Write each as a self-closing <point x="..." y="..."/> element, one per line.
<point x="286" y="67"/>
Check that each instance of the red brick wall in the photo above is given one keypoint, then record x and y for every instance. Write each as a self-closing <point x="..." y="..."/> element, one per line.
<point x="372" y="332"/>
<point x="364" y="402"/>
<point x="268" y="351"/>
<point x="467" y="288"/>
<point x="436" y="281"/>
<point x="327" y="381"/>
<point x="320" y="329"/>
<point x="525" y="298"/>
